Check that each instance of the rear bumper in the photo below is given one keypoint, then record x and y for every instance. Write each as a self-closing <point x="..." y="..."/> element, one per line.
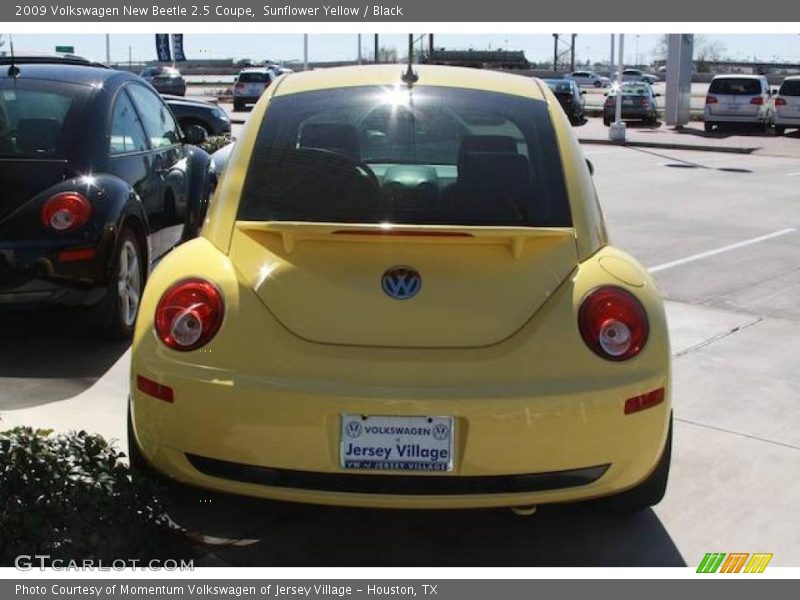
<point x="714" y="118"/>
<point x="235" y="435"/>
<point x="32" y="274"/>
<point x="246" y="99"/>
<point x="786" y="121"/>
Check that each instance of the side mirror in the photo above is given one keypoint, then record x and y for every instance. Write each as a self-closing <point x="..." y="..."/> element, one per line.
<point x="194" y="134"/>
<point x="656" y="95"/>
<point x="591" y="166"/>
<point x="583" y="92"/>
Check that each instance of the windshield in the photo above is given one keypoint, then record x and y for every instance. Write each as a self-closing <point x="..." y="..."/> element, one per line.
<point x="254" y="77"/>
<point x="790" y="87"/>
<point x="735" y="87"/>
<point x="37" y="117"/>
<point x="428" y="156"/>
<point x="559" y="86"/>
<point x="631" y="90"/>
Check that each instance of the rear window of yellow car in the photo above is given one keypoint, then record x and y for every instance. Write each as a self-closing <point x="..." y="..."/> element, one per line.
<point x="425" y="155"/>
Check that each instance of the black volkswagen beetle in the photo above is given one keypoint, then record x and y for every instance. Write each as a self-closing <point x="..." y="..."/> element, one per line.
<point x="97" y="182"/>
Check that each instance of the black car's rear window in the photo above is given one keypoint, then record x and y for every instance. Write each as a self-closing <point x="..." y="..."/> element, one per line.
<point x="735" y="87"/>
<point x="37" y="117"/>
<point x="432" y="155"/>
<point x="790" y="87"/>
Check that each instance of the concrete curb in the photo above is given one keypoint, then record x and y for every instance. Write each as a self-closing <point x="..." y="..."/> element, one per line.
<point x="671" y="146"/>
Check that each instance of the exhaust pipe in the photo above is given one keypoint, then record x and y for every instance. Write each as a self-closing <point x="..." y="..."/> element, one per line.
<point x="524" y="511"/>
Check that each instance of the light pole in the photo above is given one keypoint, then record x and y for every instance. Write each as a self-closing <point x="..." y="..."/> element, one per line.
<point x="359" y="48"/>
<point x="616" y="133"/>
<point x="305" y="52"/>
<point x="637" y="49"/>
<point x="108" y="49"/>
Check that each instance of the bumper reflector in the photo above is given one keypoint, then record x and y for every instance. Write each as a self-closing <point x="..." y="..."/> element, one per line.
<point x="154" y="389"/>
<point x="70" y="255"/>
<point x="648" y="400"/>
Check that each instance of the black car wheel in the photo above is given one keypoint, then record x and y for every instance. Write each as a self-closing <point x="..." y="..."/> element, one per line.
<point x="238" y="106"/>
<point x="606" y="121"/>
<point x="779" y="130"/>
<point x="709" y="127"/>
<point x="126" y="282"/>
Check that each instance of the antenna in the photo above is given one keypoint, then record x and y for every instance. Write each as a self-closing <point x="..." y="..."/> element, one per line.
<point x="13" y="70"/>
<point x="409" y="77"/>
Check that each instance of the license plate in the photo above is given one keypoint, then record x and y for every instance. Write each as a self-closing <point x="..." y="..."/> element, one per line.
<point x="628" y="102"/>
<point x="396" y="443"/>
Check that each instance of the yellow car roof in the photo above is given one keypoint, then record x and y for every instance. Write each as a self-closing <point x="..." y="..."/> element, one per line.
<point x="391" y="75"/>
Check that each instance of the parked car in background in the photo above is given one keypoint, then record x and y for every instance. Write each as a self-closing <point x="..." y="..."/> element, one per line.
<point x="406" y="300"/>
<point x="166" y="80"/>
<point x="98" y="182"/>
<point x="250" y="84"/>
<point x="589" y="79"/>
<point x="638" y="103"/>
<point x="786" y="105"/>
<point x="740" y="99"/>
<point x="636" y="76"/>
<point x="207" y="115"/>
<point x="570" y="96"/>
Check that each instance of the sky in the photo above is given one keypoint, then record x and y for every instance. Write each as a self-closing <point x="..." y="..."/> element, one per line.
<point x="639" y="49"/>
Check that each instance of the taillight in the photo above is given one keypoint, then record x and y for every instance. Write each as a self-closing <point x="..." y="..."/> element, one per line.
<point x="239" y="86"/>
<point x="780" y="101"/>
<point x="66" y="211"/>
<point x="189" y="314"/>
<point x="613" y="323"/>
<point x="610" y="100"/>
<point x="757" y="100"/>
<point x="711" y="100"/>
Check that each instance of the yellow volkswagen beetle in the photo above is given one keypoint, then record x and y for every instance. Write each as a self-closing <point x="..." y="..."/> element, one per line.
<point x="403" y="296"/>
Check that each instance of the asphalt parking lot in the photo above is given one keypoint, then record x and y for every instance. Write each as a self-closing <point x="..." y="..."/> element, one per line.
<point x="721" y="232"/>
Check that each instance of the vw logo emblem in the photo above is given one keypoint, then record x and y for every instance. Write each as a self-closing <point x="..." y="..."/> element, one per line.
<point x="353" y="429"/>
<point x="401" y="283"/>
<point x="441" y="432"/>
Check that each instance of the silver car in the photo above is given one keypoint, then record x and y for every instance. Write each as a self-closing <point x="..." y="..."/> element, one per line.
<point x="741" y="99"/>
<point x="589" y="79"/>
<point x="166" y="80"/>
<point x="786" y="105"/>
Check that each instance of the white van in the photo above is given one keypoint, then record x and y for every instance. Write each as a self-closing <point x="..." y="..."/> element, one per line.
<point x="738" y="99"/>
<point x="250" y="84"/>
<point x="786" y="105"/>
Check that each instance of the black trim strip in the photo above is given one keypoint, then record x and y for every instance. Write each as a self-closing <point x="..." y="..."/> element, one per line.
<point x="422" y="485"/>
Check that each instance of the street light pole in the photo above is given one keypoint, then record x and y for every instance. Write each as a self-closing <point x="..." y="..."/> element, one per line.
<point x="555" y="52"/>
<point x="376" y="49"/>
<point x="305" y="52"/>
<point x="108" y="49"/>
<point x="359" y="48"/>
<point x="616" y="132"/>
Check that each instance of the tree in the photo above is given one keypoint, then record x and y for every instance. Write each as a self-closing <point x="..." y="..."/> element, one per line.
<point x="387" y="55"/>
<point x="705" y="49"/>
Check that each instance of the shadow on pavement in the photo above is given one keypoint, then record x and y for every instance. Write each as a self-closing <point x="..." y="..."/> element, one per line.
<point x="283" y="534"/>
<point x="50" y="355"/>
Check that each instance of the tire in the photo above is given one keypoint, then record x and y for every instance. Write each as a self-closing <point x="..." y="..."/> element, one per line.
<point x="186" y="123"/>
<point x="238" y="106"/>
<point x="606" y="121"/>
<point x="709" y="127"/>
<point x="648" y="493"/>
<point x="127" y="275"/>
<point x="779" y="130"/>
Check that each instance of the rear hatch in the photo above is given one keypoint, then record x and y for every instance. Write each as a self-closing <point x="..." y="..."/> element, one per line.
<point x="39" y="123"/>
<point x="787" y="102"/>
<point x="21" y="180"/>
<point x="397" y="217"/>
<point x="735" y="97"/>
<point x="333" y="283"/>
<point x="251" y="84"/>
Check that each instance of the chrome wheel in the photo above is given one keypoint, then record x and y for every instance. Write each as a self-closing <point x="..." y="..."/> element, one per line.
<point x="129" y="282"/>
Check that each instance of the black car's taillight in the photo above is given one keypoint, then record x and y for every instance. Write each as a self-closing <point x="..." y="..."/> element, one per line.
<point x="66" y="211"/>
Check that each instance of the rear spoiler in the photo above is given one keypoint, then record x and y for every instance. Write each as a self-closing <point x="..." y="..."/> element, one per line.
<point x="514" y="238"/>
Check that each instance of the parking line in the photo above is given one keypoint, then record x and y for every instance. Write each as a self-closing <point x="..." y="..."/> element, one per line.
<point x="701" y="255"/>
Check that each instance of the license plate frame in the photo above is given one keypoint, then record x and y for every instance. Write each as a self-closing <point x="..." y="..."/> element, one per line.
<point x="397" y="443"/>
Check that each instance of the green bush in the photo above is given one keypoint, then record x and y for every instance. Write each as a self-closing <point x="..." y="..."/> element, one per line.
<point x="215" y="142"/>
<point x="71" y="496"/>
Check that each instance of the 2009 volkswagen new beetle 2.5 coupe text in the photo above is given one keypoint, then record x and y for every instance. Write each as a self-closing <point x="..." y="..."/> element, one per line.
<point x="403" y="296"/>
